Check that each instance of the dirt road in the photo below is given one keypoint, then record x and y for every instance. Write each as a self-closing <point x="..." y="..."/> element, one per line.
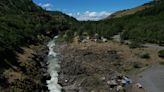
<point x="154" y="46"/>
<point x="152" y="79"/>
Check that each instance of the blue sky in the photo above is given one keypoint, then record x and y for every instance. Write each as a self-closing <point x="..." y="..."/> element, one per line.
<point x="89" y="9"/>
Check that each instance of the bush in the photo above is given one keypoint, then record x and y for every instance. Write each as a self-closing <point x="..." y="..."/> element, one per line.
<point x="134" y="45"/>
<point x="145" y="56"/>
<point x="161" y="53"/>
<point x="161" y="63"/>
<point x="137" y="65"/>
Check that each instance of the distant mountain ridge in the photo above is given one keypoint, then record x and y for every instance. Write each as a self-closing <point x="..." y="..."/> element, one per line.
<point x="128" y="11"/>
<point x="133" y="10"/>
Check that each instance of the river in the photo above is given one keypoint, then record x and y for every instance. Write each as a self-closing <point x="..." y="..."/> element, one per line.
<point x="53" y="67"/>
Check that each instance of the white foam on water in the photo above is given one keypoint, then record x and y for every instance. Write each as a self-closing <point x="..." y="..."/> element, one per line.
<point x="53" y="68"/>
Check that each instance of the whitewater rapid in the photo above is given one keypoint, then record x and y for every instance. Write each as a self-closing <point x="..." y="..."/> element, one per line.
<point x="53" y="67"/>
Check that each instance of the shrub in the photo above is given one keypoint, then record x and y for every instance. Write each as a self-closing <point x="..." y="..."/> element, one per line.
<point x="145" y="56"/>
<point x="137" y="65"/>
<point x="161" y="53"/>
<point x="161" y="63"/>
<point x="134" y="45"/>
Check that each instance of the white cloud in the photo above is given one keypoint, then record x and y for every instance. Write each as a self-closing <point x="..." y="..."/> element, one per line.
<point x="91" y="15"/>
<point x="78" y="13"/>
<point x="70" y="14"/>
<point x="46" y="6"/>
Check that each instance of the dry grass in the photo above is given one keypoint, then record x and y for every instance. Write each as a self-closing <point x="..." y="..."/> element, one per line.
<point x="95" y="65"/>
<point x="26" y="55"/>
<point x="129" y="12"/>
<point x="129" y="56"/>
<point x="24" y="60"/>
<point x="12" y="75"/>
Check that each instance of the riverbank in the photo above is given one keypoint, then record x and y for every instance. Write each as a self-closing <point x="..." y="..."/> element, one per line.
<point x="87" y="67"/>
<point x="29" y="74"/>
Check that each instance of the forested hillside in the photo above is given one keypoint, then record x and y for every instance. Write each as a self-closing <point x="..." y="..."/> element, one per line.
<point x="22" y="23"/>
<point x="18" y="6"/>
<point x="144" y="26"/>
<point x="147" y="25"/>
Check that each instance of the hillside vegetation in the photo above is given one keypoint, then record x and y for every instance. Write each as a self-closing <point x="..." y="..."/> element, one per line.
<point x="143" y="26"/>
<point x="130" y="11"/>
<point x="22" y="23"/>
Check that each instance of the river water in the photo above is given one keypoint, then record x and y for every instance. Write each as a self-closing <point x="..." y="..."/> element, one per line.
<point x="53" y="67"/>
